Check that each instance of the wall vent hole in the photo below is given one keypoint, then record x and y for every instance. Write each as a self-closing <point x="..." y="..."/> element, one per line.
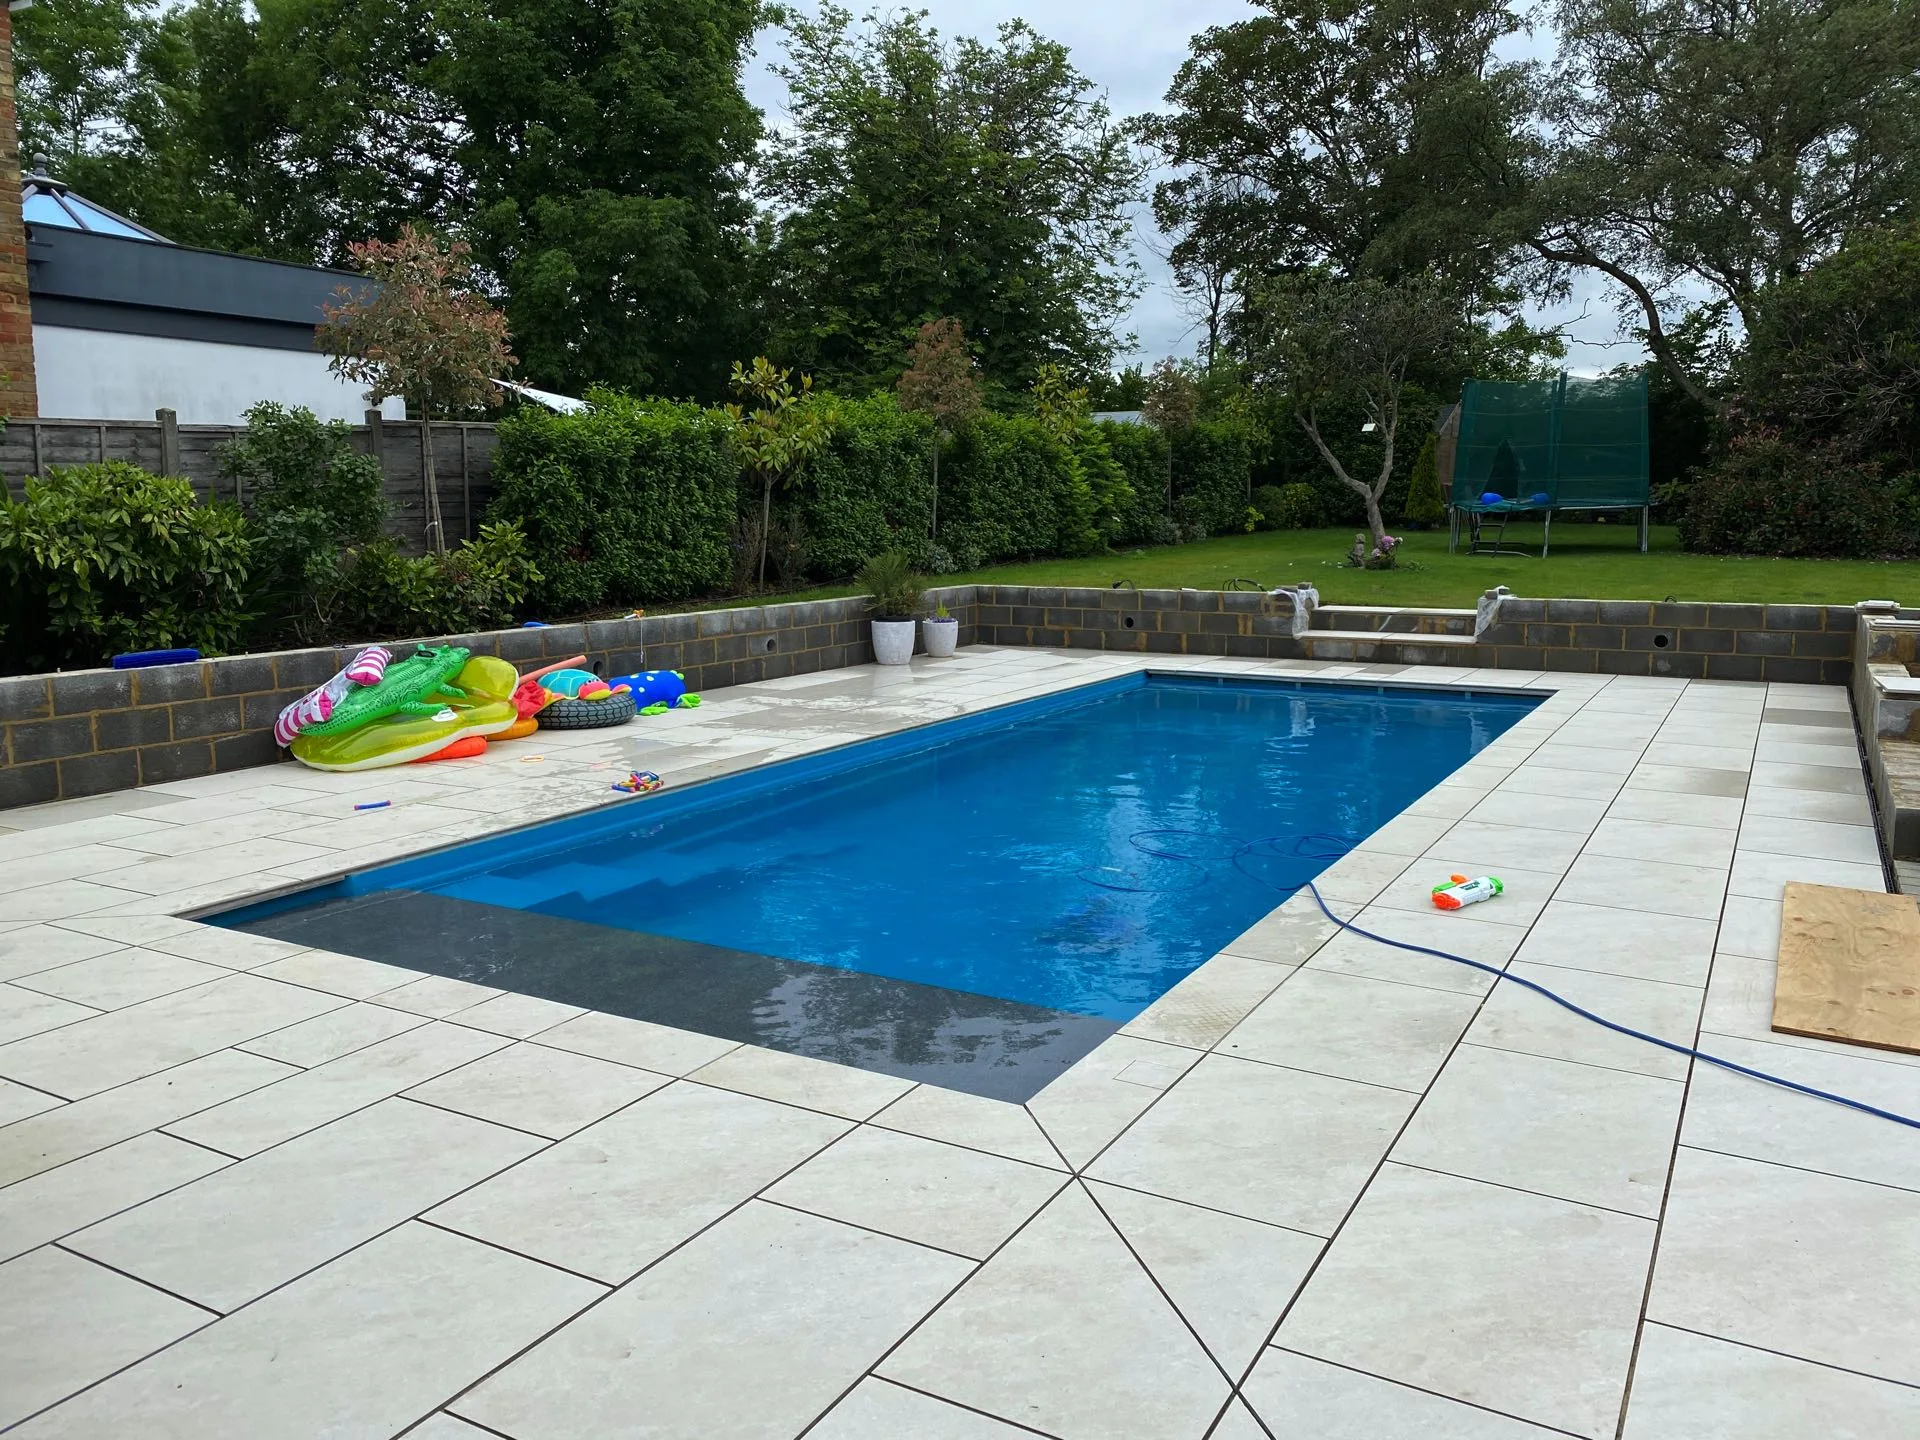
<point x="1128" y="622"/>
<point x="1662" y="641"/>
<point x="770" y="640"/>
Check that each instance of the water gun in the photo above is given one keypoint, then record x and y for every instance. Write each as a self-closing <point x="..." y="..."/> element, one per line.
<point x="1460" y="892"/>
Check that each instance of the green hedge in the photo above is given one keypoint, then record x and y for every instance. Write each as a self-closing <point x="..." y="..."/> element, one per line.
<point x="1008" y="491"/>
<point x="1212" y="476"/>
<point x="1141" y="452"/>
<point x="633" y="500"/>
<point x="871" y="492"/>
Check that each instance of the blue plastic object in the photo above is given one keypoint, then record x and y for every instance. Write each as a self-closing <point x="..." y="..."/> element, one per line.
<point x="653" y="687"/>
<point x="141" y="659"/>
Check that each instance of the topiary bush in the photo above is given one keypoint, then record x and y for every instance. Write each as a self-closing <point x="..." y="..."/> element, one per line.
<point x="1767" y="496"/>
<point x="1212" y="475"/>
<point x="1289" y="507"/>
<point x="1426" y="506"/>
<point x="628" y="501"/>
<point x="98" y="559"/>
<point x="870" y="491"/>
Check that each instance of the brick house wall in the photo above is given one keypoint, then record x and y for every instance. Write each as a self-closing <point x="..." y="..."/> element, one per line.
<point x="18" y="393"/>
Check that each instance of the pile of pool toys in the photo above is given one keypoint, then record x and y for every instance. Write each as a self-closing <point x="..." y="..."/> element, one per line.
<point x="445" y="703"/>
<point x="640" y="782"/>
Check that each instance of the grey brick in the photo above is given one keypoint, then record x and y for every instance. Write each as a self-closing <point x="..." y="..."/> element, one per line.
<point x="1826" y="646"/>
<point x="559" y="641"/>
<point x="1574" y="612"/>
<point x="1624" y="662"/>
<point x="162" y="684"/>
<point x="519" y="645"/>
<point x="1625" y="612"/>
<point x="1600" y="637"/>
<point x="98" y="774"/>
<point x="1660" y="639"/>
<point x="1795" y="617"/>
<point x="51" y="739"/>
<point x="258" y="712"/>
<point x="239" y="752"/>
<point x="29" y="784"/>
<point x="1737" y="617"/>
<point x="25" y="697"/>
<point x="1791" y="671"/>
<point x="1736" y="667"/>
<point x="1836" y="672"/>
<point x="1763" y="642"/>
<point x="124" y="729"/>
<point x="89" y="690"/>
<point x="1583" y="662"/>
<point x="1201" y="600"/>
<point x="1707" y="642"/>
<point x="303" y="669"/>
<point x="182" y="760"/>
<point x="203" y="719"/>
<point x="1684" y="667"/>
<point x="1515" y="608"/>
<point x="242" y="675"/>
<point x="1679" y="614"/>
<point x="1550" y="636"/>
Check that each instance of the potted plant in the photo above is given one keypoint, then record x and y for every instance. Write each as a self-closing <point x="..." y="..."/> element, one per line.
<point x="941" y="632"/>
<point x="893" y="595"/>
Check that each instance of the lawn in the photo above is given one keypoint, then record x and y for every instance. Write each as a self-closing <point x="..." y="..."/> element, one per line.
<point x="1588" y="562"/>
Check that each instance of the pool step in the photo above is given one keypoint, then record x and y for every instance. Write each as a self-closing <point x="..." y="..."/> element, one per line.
<point x="1391" y="647"/>
<point x="1393" y="620"/>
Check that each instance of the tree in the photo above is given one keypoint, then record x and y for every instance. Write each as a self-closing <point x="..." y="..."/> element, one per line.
<point x="1331" y="346"/>
<point x="423" y="331"/>
<point x="1426" y="499"/>
<point x="74" y="76"/>
<point x="778" y="434"/>
<point x="982" y="180"/>
<point x="608" y="143"/>
<point x="941" y="380"/>
<point x="1722" y="146"/>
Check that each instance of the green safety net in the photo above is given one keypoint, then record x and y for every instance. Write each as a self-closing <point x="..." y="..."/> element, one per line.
<point x="1560" y="444"/>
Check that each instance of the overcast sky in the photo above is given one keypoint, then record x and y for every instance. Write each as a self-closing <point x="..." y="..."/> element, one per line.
<point x="1130" y="48"/>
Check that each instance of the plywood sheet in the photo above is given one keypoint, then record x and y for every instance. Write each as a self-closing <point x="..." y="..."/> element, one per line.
<point x="1849" y="967"/>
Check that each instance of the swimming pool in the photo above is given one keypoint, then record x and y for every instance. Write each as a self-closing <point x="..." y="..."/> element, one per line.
<point x="976" y="902"/>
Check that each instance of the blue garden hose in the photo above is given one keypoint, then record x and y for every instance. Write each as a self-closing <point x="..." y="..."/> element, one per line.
<point x="1319" y="847"/>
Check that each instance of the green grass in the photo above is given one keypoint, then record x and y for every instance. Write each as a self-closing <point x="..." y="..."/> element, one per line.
<point x="1587" y="562"/>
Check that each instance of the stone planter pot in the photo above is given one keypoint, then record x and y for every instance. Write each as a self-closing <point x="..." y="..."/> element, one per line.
<point x="941" y="636"/>
<point x="893" y="641"/>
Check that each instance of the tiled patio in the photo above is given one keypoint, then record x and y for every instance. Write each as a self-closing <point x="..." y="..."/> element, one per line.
<point x="1322" y="1189"/>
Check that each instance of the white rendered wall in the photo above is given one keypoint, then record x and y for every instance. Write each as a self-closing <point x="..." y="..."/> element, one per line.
<point x="104" y="375"/>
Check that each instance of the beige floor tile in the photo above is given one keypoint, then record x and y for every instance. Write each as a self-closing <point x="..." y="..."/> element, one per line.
<point x="36" y="866"/>
<point x="531" y="1087"/>
<point x="1842" y="756"/>
<point x="1063" y="1331"/>
<point x="1536" y="778"/>
<point x="1720" y="812"/>
<point x="53" y="1137"/>
<point x="307" y="1101"/>
<point x="58" y="1201"/>
<point x="1816" y="838"/>
<point x="972" y="1121"/>
<point x="1298" y="1395"/>
<point x="1495" y="847"/>
<point x="1811" y="1265"/>
<point x="151" y="876"/>
<point x="339" y="1352"/>
<point x="1526" y="891"/>
<point x="616" y="1196"/>
<point x="1285" y="936"/>
<point x="1703" y="757"/>
<point x="238" y="1233"/>
<point x="801" y="1080"/>
<point x="25" y="1012"/>
<point x="437" y="996"/>
<point x="1694" y="1387"/>
<point x="1517" y="1019"/>
<point x="336" y="1033"/>
<point x="659" y="1048"/>
<point x="125" y="977"/>
<point x="1283" y="1146"/>
<point x="1230" y="1277"/>
<point x="66" y="1323"/>
<point x="108" y="1050"/>
<point x="1750" y="926"/>
<point x="1740" y="1004"/>
<point x="25" y="949"/>
<point x="1736" y="1115"/>
<point x="336" y="974"/>
<point x="1558" y="755"/>
<point x="1824" y="779"/>
<point x="520" y="1016"/>
<point x="1834" y="809"/>
<point x="1354" y="1028"/>
<point x="236" y="949"/>
<point x="1571" y="814"/>
<point x="1104" y="1092"/>
<point x="1656" y="885"/>
<point x="1689" y="780"/>
<point x="1358" y="876"/>
<point x="1636" y="943"/>
<point x="1663" y="840"/>
<point x="1352" y="954"/>
<point x="152" y="931"/>
<point x="1408" y="834"/>
<point x="881" y="1410"/>
<point x="755" y="1328"/>
<point x="1576" y="1132"/>
<point x="447" y="1427"/>
<point x="919" y="1190"/>
<point x="1208" y="1003"/>
<point x="1516" y="1302"/>
<point x="17" y="1102"/>
<point x="1762" y="876"/>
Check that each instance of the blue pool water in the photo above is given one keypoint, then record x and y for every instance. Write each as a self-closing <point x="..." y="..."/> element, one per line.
<point x="1072" y="857"/>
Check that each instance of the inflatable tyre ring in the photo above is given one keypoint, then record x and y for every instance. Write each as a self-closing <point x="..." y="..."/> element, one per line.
<point x="586" y="714"/>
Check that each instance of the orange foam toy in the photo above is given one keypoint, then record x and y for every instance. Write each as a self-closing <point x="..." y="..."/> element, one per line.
<point x="465" y="748"/>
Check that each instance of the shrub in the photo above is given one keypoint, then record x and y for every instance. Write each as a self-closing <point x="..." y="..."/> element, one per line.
<point x="1767" y="496"/>
<point x="1426" y="505"/>
<point x="1141" y="452"/>
<point x="310" y="497"/>
<point x="1289" y="507"/>
<point x="630" y="500"/>
<point x="477" y="586"/>
<point x="871" y="490"/>
<point x="1002" y="491"/>
<point x="893" y="590"/>
<point x="1212" y="473"/>
<point x="103" y="558"/>
<point x="1098" y="504"/>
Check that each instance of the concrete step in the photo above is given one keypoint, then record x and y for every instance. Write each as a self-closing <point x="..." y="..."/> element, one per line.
<point x="1393" y="620"/>
<point x="1389" y="647"/>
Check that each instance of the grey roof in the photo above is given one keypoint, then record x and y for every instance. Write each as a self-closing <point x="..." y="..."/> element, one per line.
<point x="47" y="201"/>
